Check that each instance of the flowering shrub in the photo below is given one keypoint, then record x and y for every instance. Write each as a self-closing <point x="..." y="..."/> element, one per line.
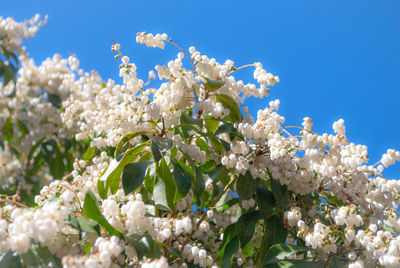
<point x="96" y="174"/>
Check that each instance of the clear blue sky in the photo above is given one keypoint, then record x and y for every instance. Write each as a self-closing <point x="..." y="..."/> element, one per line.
<point x="336" y="58"/>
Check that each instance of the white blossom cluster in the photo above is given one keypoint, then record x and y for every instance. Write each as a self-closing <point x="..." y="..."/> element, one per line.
<point x="103" y="112"/>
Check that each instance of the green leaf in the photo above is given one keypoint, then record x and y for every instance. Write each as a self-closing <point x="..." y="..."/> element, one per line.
<point x="101" y="189"/>
<point x="227" y="128"/>
<point x="144" y="246"/>
<point x="230" y="250"/>
<point x="199" y="185"/>
<point x="40" y="257"/>
<point x="187" y="120"/>
<point x="83" y="225"/>
<point x="213" y="85"/>
<point x="160" y="146"/>
<point x="127" y="138"/>
<point x="235" y="115"/>
<point x="247" y="224"/>
<point x="48" y="148"/>
<point x="246" y="186"/>
<point x="230" y="233"/>
<point x="92" y="211"/>
<point x="10" y="259"/>
<point x="165" y="187"/>
<point x="55" y="100"/>
<point x="276" y="231"/>
<point x="280" y="193"/>
<point x="280" y="252"/>
<point x="202" y="144"/>
<point x="22" y="128"/>
<point x="56" y="165"/>
<point x="295" y="264"/>
<point x="183" y="180"/>
<point x="265" y="200"/>
<point x="133" y="175"/>
<point x="87" y="248"/>
<point x="216" y="142"/>
<point x="114" y="170"/>
<point x="89" y="153"/>
<point x="338" y="262"/>
<point x="211" y="124"/>
<point x="8" y="130"/>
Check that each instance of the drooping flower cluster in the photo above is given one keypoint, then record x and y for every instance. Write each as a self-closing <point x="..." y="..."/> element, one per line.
<point x="179" y="175"/>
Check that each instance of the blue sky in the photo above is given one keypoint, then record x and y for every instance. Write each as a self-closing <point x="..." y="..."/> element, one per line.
<point x="336" y="58"/>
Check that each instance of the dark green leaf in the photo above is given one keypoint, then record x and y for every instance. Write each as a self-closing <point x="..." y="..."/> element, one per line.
<point x="56" y="165"/>
<point x="199" y="185"/>
<point x="246" y="226"/>
<point x="276" y="231"/>
<point x="235" y="115"/>
<point x="113" y="173"/>
<point x="83" y="225"/>
<point x="144" y="246"/>
<point x="183" y="180"/>
<point x="133" y="175"/>
<point x="295" y="264"/>
<point x="10" y="259"/>
<point x="92" y="211"/>
<point x="55" y="100"/>
<point x="280" y="193"/>
<point x="230" y="250"/>
<point x="22" y="128"/>
<point x="8" y="130"/>
<point x="160" y="146"/>
<point x="246" y="186"/>
<point x="40" y="257"/>
<point x="265" y="200"/>
<point x="48" y="149"/>
<point x="338" y="262"/>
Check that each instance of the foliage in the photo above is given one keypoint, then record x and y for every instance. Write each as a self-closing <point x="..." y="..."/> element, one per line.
<point x="98" y="174"/>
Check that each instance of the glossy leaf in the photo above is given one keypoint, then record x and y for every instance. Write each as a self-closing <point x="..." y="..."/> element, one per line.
<point x="280" y="193"/>
<point x="199" y="185"/>
<point x="183" y="180"/>
<point x="246" y="186"/>
<point x="133" y="175"/>
<point x="266" y="201"/>
<point x="230" y="250"/>
<point x="235" y="115"/>
<point x="276" y="231"/>
<point x="280" y="252"/>
<point x="144" y="246"/>
<point x="127" y="138"/>
<point x="92" y="211"/>
<point x="113" y="173"/>
<point x="160" y="146"/>
<point x="82" y="225"/>
<point x="246" y="226"/>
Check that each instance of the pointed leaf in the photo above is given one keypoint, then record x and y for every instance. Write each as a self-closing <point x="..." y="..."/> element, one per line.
<point x="235" y="115"/>
<point x="183" y="180"/>
<point x="92" y="211"/>
<point x="133" y="175"/>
